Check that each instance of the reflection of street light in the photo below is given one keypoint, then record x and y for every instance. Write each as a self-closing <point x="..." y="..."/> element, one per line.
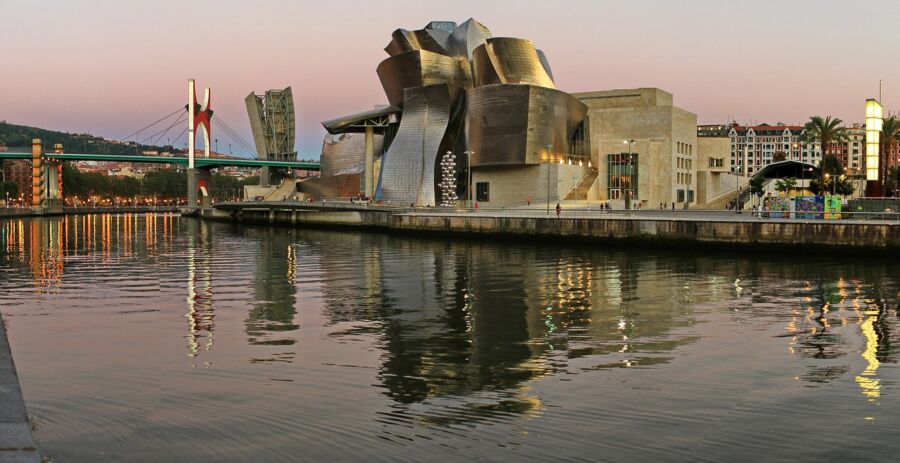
<point x="630" y="174"/>
<point x="469" y="177"/>
<point x="550" y="161"/>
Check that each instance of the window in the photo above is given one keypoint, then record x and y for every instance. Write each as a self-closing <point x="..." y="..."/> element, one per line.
<point x="482" y="191"/>
<point x="690" y="196"/>
<point x="622" y="175"/>
<point x="680" y="196"/>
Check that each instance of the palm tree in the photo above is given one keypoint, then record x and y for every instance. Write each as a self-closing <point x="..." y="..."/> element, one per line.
<point x="890" y="134"/>
<point x="824" y="130"/>
<point x="785" y="185"/>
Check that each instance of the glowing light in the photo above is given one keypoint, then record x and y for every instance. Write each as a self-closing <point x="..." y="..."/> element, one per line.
<point x="874" y="123"/>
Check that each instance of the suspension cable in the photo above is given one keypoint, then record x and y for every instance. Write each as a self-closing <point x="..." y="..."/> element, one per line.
<point x="151" y="125"/>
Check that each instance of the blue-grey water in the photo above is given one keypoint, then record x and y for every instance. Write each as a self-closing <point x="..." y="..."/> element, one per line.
<point x="152" y="338"/>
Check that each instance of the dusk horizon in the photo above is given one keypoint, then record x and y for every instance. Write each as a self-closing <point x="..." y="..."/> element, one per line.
<point x="86" y="69"/>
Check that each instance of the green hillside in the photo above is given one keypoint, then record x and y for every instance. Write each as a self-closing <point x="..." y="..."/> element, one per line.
<point x="20" y="136"/>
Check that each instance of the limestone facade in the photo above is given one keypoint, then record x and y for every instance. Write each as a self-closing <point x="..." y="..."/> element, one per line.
<point x="665" y="142"/>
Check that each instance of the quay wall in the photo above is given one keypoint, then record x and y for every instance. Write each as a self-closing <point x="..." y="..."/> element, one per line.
<point x="29" y="212"/>
<point x="876" y="237"/>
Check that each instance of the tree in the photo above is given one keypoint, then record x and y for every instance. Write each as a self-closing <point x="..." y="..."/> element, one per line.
<point x="829" y="176"/>
<point x="756" y="186"/>
<point x="779" y="156"/>
<point x="890" y="135"/>
<point x="892" y="180"/>
<point x="824" y="131"/>
<point x="786" y="185"/>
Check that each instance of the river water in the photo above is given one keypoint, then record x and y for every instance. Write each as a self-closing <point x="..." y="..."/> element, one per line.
<point x="159" y="338"/>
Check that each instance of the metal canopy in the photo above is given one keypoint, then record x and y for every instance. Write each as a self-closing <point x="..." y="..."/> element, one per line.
<point x="377" y="118"/>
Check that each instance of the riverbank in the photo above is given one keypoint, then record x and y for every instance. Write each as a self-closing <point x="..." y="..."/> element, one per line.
<point x="693" y="229"/>
<point x="28" y="212"/>
<point x="16" y="440"/>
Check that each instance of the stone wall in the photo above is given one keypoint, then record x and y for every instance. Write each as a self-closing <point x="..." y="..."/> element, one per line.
<point x="513" y="186"/>
<point x="761" y="236"/>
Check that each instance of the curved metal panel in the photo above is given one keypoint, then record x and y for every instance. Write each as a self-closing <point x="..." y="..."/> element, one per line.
<point x="467" y="37"/>
<point x="419" y="68"/>
<point x="546" y="63"/>
<point x="408" y="168"/>
<point x="513" y="124"/>
<point x="343" y="162"/>
<point x="506" y="60"/>
<point x="433" y="40"/>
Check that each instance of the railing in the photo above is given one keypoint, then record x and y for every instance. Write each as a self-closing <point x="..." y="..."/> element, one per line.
<point x="594" y="212"/>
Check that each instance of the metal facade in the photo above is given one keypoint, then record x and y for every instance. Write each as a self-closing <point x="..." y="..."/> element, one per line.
<point x="509" y="61"/>
<point x="408" y="170"/>
<point x="273" y="125"/>
<point x="455" y="88"/>
<point x="511" y="124"/>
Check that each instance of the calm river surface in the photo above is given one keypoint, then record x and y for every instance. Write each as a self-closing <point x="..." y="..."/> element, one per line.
<point x="159" y="338"/>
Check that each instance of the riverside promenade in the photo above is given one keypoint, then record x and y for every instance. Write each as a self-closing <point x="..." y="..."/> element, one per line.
<point x="16" y="440"/>
<point x="865" y="233"/>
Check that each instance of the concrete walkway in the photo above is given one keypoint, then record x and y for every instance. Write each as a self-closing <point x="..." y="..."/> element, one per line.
<point x="16" y="441"/>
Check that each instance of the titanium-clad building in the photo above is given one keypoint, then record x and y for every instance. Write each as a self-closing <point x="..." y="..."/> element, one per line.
<point x="453" y="88"/>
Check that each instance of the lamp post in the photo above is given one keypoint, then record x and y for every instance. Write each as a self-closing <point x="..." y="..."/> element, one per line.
<point x="469" y="178"/>
<point x="629" y="142"/>
<point x="549" y="163"/>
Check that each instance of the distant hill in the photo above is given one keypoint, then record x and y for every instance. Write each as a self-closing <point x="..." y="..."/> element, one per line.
<point x="20" y="136"/>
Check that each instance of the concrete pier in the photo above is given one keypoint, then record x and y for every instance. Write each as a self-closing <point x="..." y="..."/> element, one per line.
<point x="16" y="441"/>
<point x="664" y="229"/>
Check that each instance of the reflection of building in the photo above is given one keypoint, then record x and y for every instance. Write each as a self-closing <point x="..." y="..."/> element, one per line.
<point x="272" y="315"/>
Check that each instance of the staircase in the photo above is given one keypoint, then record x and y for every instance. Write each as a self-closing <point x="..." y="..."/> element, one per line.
<point x="580" y="190"/>
<point x="284" y="191"/>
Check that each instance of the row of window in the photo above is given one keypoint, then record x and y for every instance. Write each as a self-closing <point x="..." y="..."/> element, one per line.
<point x="684" y="163"/>
<point x="684" y="178"/>
<point x="716" y="162"/>
<point x="680" y="195"/>
<point x="684" y="148"/>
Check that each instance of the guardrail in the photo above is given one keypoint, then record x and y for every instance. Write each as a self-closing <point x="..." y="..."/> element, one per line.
<point x="589" y="212"/>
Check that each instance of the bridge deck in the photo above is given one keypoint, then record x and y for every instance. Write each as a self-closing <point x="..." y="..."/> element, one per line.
<point x="200" y="162"/>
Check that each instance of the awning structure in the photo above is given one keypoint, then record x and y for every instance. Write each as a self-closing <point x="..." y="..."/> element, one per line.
<point x="377" y="117"/>
<point x="785" y="169"/>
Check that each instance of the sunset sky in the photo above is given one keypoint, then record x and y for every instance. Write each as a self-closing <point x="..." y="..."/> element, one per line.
<point x="111" y="67"/>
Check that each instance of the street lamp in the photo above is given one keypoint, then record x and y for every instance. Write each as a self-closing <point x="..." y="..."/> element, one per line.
<point x="549" y="151"/>
<point x="469" y="177"/>
<point x="630" y="174"/>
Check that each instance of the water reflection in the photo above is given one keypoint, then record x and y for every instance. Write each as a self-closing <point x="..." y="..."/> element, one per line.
<point x="200" y="315"/>
<point x="272" y="315"/>
<point x="468" y="333"/>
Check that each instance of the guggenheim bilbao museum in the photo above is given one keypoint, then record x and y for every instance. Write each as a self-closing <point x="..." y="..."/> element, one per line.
<point x="492" y="103"/>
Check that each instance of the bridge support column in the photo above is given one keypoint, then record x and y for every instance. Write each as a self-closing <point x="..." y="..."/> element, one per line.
<point x="369" y="169"/>
<point x="265" y="176"/>
<point x="37" y="179"/>
<point x="198" y="187"/>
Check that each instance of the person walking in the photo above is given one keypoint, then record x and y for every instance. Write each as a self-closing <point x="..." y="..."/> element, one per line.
<point x="558" y="210"/>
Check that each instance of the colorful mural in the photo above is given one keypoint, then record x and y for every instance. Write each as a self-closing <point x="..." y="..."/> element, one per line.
<point x="809" y="207"/>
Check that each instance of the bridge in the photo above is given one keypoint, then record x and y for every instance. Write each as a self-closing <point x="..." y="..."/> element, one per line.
<point x="46" y="167"/>
<point x="202" y="163"/>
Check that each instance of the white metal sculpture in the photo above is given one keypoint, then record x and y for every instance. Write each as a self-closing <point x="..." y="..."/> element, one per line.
<point x="448" y="179"/>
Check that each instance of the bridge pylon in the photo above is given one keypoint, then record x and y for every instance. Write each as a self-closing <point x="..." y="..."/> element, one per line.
<point x="198" y="116"/>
